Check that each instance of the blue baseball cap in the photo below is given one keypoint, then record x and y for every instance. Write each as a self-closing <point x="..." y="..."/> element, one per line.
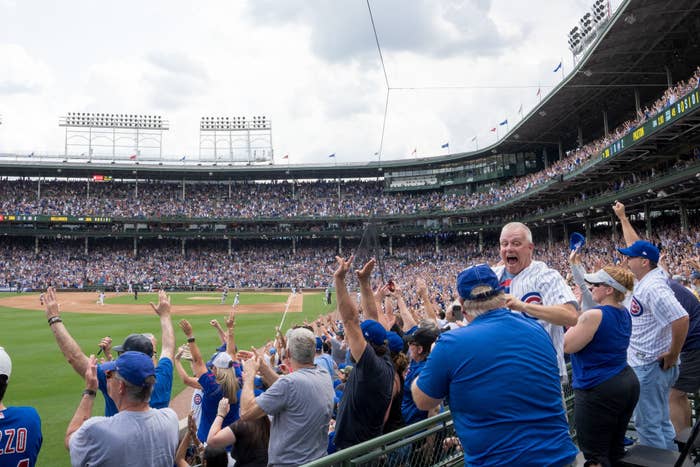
<point x="395" y="342"/>
<point x="480" y="275"/>
<point x="373" y="331"/>
<point x="695" y="275"/>
<point x="641" y="249"/>
<point x="319" y="343"/>
<point x="576" y="241"/>
<point x="135" y="367"/>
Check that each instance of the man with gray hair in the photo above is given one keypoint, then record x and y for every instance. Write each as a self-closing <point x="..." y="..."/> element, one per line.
<point x="301" y="403"/>
<point x="534" y="289"/>
<point x="138" y="434"/>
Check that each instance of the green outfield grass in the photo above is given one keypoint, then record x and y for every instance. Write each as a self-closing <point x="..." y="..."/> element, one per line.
<point x="198" y="298"/>
<point x="43" y="379"/>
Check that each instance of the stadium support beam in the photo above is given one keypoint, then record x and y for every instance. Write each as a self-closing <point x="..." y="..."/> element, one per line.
<point x="579" y="138"/>
<point x="669" y="79"/>
<point x="613" y="236"/>
<point x="684" y="217"/>
<point x="647" y="220"/>
<point x="566" y="232"/>
<point x="550" y="240"/>
<point x="637" y="100"/>
<point x="86" y="246"/>
<point x="589" y="229"/>
<point x="136" y="247"/>
<point x="340" y="246"/>
<point x="182" y="247"/>
<point x="391" y="245"/>
<point x="545" y="158"/>
<point x="437" y="244"/>
<point x="229" y="247"/>
<point x="36" y="245"/>
<point x="38" y="188"/>
<point x="294" y="246"/>
<point x="183" y="188"/>
<point x="606" y="130"/>
<point x="481" y="241"/>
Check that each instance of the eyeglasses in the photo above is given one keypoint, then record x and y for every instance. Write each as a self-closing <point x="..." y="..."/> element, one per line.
<point x="109" y="374"/>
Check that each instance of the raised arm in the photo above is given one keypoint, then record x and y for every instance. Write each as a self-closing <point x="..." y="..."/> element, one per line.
<point x="219" y="331"/>
<point x="348" y="310"/>
<point x="422" y="288"/>
<point x="369" y="305"/>
<point x="70" y="348"/>
<point x="186" y="378"/>
<point x="406" y="315"/>
<point x="84" y="410"/>
<point x="198" y="365"/>
<point x="628" y="231"/>
<point x="166" y="325"/>
<point x="231" y="339"/>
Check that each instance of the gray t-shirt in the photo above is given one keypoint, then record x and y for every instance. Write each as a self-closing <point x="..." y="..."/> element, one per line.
<point x="301" y="405"/>
<point x="338" y="351"/>
<point x="127" y="438"/>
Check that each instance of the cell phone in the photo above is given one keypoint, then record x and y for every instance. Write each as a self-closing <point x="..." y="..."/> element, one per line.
<point x="457" y="312"/>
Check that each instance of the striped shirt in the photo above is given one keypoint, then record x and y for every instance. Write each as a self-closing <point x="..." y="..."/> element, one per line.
<point x="540" y="284"/>
<point x="653" y="308"/>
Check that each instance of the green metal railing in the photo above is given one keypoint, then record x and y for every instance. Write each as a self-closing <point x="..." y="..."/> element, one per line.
<point x="431" y="442"/>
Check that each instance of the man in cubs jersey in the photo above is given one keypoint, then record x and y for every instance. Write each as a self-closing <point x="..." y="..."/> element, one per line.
<point x="20" y="427"/>
<point x="535" y="290"/>
<point x="659" y="328"/>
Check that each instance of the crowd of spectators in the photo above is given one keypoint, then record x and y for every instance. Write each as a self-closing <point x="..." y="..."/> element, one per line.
<point x="148" y="199"/>
<point x="275" y="264"/>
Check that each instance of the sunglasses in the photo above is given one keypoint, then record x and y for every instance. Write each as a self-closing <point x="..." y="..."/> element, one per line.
<point x="597" y="284"/>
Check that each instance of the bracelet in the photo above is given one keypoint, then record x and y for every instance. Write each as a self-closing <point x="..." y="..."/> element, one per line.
<point x="190" y="340"/>
<point x="54" y="320"/>
<point x="89" y="392"/>
<point x="219" y="415"/>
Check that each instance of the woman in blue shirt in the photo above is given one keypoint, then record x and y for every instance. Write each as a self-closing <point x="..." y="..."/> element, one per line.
<point x="606" y="389"/>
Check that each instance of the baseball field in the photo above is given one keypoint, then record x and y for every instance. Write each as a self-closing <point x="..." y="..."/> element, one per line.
<point x="43" y="379"/>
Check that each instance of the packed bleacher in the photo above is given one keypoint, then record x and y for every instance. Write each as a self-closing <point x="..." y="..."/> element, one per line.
<point x="281" y="199"/>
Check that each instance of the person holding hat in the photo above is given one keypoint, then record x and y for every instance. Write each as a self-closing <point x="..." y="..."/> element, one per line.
<point x="364" y="408"/>
<point x="160" y="396"/>
<point x="21" y="426"/>
<point x="659" y="329"/>
<point x="500" y="374"/>
<point x="138" y="434"/>
<point x="606" y="389"/>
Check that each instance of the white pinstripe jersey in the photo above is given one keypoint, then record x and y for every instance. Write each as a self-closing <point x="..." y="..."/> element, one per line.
<point x="540" y="284"/>
<point x="653" y="308"/>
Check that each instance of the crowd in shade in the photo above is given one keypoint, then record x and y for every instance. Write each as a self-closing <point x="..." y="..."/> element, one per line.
<point x="147" y="199"/>
<point x="275" y="264"/>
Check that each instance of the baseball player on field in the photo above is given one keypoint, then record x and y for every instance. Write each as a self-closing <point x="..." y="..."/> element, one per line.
<point x="534" y="289"/>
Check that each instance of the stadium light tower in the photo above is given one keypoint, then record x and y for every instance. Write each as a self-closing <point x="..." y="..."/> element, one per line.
<point x="589" y="25"/>
<point x="235" y="140"/>
<point x="113" y="136"/>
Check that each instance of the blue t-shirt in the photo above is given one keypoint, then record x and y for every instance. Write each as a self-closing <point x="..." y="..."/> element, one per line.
<point x="211" y="395"/>
<point x="160" y="397"/>
<point x="502" y="379"/>
<point x="325" y="362"/>
<point x="692" y="306"/>
<point x="606" y="354"/>
<point x="409" y="411"/>
<point x="20" y="436"/>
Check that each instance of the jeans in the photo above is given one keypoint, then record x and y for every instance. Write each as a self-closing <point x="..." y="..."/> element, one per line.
<point x="651" y="416"/>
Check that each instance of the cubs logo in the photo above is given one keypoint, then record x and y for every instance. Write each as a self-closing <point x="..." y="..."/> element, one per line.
<point x="636" y="308"/>
<point x="197" y="399"/>
<point x="531" y="298"/>
<point x="506" y="285"/>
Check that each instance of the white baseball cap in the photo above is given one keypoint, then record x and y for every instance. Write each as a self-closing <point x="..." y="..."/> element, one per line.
<point x="5" y="363"/>
<point x="222" y="360"/>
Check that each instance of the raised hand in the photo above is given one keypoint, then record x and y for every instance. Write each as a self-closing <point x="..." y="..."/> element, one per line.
<point x="163" y="303"/>
<point x="343" y="267"/>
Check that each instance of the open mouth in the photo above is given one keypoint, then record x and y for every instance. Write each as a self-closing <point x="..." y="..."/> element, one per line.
<point x="510" y="260"/>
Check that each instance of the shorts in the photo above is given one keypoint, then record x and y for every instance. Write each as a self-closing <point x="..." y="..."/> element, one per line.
<point x="689" y="377"/>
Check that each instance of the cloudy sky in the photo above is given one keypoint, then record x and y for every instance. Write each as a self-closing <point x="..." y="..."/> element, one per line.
<point x="457" y="68"/>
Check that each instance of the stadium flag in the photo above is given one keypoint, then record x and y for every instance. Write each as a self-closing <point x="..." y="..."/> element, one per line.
<point x="557" y="68"/>
<point x="473" y="139"/>
<point x="286" y="156"/>
<point x="504" y="122"/>
<point x="539" y="92"/>
<point x="520" y="110"/>
<point x="415" y="151"/>
<point x="331" y="155"/>
<point x="182" y="159"/>
<point x="31" y="155"/>
<point x="493" y="130"/>
<point x="132" y="157"/>
<point x="445" y="146"/>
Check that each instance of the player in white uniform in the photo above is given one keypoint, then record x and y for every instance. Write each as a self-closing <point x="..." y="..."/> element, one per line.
<point x="236" y="299"/>
<point x="101" y="298"/>
<point x="659" y="328"/>
<point x="224" y="295"/>
<point x="534" y="289"/>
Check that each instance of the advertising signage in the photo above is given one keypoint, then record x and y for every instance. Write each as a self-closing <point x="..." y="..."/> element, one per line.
<point x="663" y="119"/>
